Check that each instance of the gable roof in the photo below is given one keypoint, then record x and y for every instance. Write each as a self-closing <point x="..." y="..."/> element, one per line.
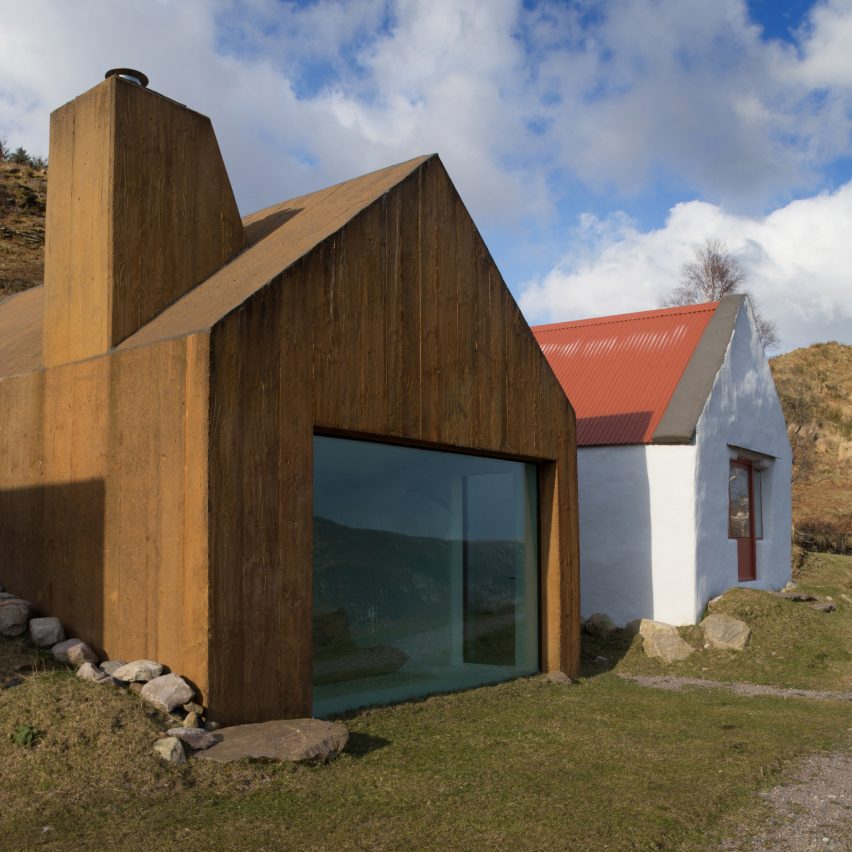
<point x="640" y="378"/>
<point x="277" y="237"/>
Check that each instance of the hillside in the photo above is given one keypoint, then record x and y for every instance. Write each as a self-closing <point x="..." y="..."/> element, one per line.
<point x="815" y="386"/>
<point x="23" y="190"/>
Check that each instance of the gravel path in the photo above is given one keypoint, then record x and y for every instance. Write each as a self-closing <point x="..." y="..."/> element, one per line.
<point x="812" y="809"/>
<point x="675" y="683"/>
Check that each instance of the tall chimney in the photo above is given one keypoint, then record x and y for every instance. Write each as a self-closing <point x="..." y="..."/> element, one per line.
<point x="139" y="211"/>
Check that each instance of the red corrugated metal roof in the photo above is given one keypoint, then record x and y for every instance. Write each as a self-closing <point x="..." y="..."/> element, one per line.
<point x="621" y="371"/>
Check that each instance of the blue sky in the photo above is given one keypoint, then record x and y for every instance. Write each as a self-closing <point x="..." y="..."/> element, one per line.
<point x="594" y="143"/>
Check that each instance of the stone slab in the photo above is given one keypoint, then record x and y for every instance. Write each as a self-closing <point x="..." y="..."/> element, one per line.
<point x="296" y="740"/>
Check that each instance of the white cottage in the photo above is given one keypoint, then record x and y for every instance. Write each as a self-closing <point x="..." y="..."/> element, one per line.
<point x="683" y="458"/>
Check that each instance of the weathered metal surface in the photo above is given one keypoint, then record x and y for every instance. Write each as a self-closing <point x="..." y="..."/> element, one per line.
<point x="621" y="371"/>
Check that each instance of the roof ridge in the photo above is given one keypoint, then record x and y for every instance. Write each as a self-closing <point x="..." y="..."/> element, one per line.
<point x="615" y="319"/>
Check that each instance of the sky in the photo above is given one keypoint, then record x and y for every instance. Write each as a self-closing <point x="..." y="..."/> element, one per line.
<point x="594" y="143"/>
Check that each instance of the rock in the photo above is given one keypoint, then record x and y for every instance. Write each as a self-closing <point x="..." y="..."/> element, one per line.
<point x="81" y="653"/>
<point x="134" y="687"/>
<point x="170" y="749"/>
<point x="667" y="646"/>
<point x="599" y="624"/>
<point x="193" y="707"/>
<point x="723" y="631"/>
<point x="799" y="597"/>
<point x="46" y="632"/>
<point x="74" y="651"/>
<point x="196" y="738"/>
<point x="8" y="596"/>
<point x="167" y="692"/>
<point x="824" y="607"/>
<point x="14" y="616"/>
<point x="210" y="725"/>
<point x="295" y="740"/>
<point x="139" y="671"/>
<point x="650" y="628"/>
<point x="110" y="666"/>
<point x="601" y="661"/>
<point x="89" y="671"/>
<point x="192" y="720"/>
<point x="559" y="677"/>
<point x="789" y="587"/>
<point x="713" y="602"/>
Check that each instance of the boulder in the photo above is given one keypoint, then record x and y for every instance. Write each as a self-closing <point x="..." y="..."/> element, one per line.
<point x="828" y="606"/>
<point x="111" y="666"/>
<point x="713" y="602"/>
<point x="74" y="651"/>
<point x="14" y="616"/>
<point x="724" y="631"/>
<point x="599" y="624"/>
<point x="296" y="740"/>
<point x="558" y="677"/>
<point x="196" y="738"/>
<point x="138" y="671"/>
<point x="666" y="645"/>
<point x="170" y="749"/>
<point x="89" y="671"/>
<point x="192" y="720"/>
<point x="645" y="627"/>
<point x="46" y="632"/>
<point x="167" y="692"/>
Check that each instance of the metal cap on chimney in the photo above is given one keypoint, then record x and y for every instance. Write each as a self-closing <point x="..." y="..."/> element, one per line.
<point x="129" y="74"/>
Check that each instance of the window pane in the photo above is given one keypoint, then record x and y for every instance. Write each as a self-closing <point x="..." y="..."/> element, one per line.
<point x="757" y="502"/>
<point x="739" y="515"/>
<point x="425" y="572"/>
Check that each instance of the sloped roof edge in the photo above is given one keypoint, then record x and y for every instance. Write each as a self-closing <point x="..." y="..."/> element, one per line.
<point x="279" y="236"/>
<point x="677" y="425"/>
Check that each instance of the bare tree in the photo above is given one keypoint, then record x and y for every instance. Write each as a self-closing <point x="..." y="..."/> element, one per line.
<point x="715" y="273"/>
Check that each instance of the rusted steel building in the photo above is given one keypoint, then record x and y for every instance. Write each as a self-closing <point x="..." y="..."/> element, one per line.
<point x="310" y="459"/>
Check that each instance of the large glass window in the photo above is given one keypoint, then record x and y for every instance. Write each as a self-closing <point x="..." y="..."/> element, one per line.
<point x="425" y="574"/>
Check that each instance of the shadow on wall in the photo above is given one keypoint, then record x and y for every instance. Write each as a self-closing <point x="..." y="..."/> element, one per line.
<point x="615" y="524"/>
<point x="52" y="546"/>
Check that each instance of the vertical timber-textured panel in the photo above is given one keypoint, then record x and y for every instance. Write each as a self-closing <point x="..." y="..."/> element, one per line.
<point x="397" y="327"/>
<point x="77" y="311"/>
<point x="139" y="211"/>
<point x="103" y="497"/>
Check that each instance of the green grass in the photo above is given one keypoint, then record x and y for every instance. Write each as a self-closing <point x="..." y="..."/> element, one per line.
<point x="791" y="644"/>
<point x="521" y="765"/>
<point x="524" y="765"/>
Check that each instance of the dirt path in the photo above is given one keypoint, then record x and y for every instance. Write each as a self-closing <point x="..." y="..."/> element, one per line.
<point x="812" y="809"/>
<point x="675" y="683"/>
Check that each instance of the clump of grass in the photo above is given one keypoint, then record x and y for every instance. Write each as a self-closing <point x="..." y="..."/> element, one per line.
<point x="25" y="736"/>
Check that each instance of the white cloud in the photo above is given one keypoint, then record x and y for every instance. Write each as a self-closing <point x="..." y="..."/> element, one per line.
<point x="521" y="101"/>
<point x="798" y="259"/>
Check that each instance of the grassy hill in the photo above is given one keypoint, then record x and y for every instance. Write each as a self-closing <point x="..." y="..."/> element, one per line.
<point x="23" y="191"/>
<point x="815" y="386"/>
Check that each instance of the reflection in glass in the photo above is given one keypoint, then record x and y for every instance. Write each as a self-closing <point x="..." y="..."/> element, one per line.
<point x="425" y="572"/>
<point x="739" y="511"/>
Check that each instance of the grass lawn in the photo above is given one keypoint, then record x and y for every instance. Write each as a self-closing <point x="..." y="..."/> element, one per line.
<point x="522" y="765"/>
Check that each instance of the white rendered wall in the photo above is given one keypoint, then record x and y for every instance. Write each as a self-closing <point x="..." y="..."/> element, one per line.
<point x="743" y="410"/>
<point x="637" y="532"/>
